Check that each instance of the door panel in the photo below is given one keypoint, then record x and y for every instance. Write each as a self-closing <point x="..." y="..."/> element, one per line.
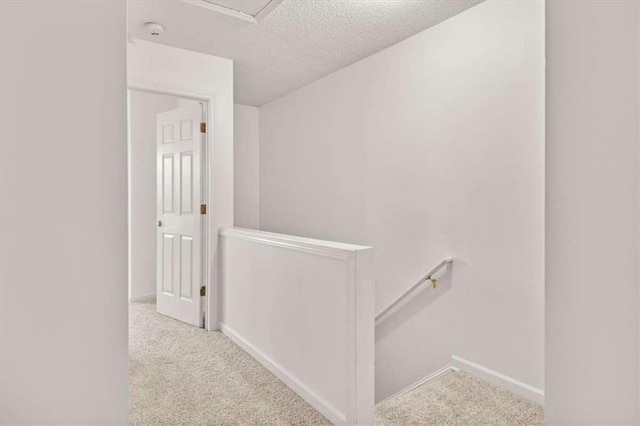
<point x="167" y="183"/>
<point x="186" y="267"/>
<point x="179" y="150"/>
<point x="167" y="263"/>
<point x="186" y="182"/>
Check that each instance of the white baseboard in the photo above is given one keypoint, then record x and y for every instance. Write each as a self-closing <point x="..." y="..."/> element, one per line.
<point x="326" y="409"/>
<point x="433" y="376"/>
<point x="145" y="298"/>
<point x="498" y="379"/>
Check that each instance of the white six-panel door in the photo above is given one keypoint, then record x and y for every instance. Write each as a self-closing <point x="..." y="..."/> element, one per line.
<point x="179" y="248"/>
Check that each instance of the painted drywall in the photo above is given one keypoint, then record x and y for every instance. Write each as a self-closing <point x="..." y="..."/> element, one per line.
<point x="592" y="232"/>
<point x="141" y="149"/>
<point x="168" y="69"/>
<point x="430" y="148"/>
<point x="299" y="42"/>
<point x="64" y="213"/>
<point x="245" y="166"/>
<point x="301" y="309"/>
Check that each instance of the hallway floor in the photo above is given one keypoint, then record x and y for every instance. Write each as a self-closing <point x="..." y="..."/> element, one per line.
<point x="182" y="375"/>
<point x="459" y="399"/>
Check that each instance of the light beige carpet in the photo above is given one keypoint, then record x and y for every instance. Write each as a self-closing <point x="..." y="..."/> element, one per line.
<point x="459" y="399"/>
<point x="182" y="375"/>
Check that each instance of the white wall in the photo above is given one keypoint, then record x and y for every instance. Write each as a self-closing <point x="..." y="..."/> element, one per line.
<point x="430" y="148"/>
<point x="171" y="70"/>
<point x="592" y="232"/>
<point x="246" y="166"/>
<point x="64" y="213"/>
<point x="301" y="309"/>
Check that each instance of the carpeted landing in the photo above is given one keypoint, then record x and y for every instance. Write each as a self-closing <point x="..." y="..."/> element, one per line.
<point x="182" y="375"/>
<point x="459" y="399"/>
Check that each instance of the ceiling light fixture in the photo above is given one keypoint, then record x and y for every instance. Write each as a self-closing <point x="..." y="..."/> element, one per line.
<point x="154" y="29"/>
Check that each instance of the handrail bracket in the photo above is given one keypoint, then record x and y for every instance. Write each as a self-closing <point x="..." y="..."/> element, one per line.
<point x="429" y="277"/>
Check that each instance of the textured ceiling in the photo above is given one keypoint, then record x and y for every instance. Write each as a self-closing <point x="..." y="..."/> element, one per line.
<point x="297" y="43"/>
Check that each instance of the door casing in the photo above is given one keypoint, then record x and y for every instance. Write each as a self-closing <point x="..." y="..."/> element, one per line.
<point x="209" y="304"/>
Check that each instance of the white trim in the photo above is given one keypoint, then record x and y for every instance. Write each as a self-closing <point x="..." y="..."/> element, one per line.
<point x="204" y="197"/>
<point x="165" y="89"/>
<point x="129" y="250"/>
<point x="144" y="298"/>
<point x="267" y="9"/>
<point x="361" y="339"/>
<point x="326" y="409"/>
<point x="433" y="376"/>
<point x="209" y="305"/>
<point x="498" y="379"/>
<point x="236" y="13"/>
<point x="307" y="245"/>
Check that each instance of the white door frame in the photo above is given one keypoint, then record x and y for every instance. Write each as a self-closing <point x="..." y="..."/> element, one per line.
<point x="210" y="304"/>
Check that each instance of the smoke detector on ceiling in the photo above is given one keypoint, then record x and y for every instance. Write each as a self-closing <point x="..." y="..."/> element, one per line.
<point x="247" y="10"/>
<point x="154" y="29"/>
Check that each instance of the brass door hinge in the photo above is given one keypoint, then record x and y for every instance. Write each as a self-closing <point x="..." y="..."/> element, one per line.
<point x="203" y="127"/>
<point x="203" y="209"/>
<point x="203" y="291"/>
